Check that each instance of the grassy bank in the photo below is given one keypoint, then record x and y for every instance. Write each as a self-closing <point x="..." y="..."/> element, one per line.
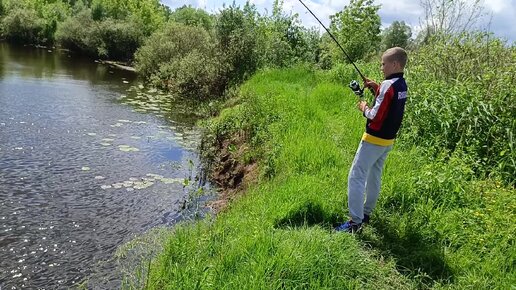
<point x="436" y="224"/>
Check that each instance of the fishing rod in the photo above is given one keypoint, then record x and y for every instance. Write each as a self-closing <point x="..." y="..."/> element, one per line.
<point x="354" y="85"/>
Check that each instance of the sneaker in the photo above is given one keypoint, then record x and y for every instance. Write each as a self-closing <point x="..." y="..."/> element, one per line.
<point x="365" y="220"/>
<point x="349" y="227"/>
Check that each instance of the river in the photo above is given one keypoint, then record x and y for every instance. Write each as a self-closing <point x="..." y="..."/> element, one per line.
<point x="89" y="160"/>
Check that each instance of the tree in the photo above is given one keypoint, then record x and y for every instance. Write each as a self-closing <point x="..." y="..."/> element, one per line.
<point x="188" y="15"/>
<point x="284" y="41"/>
<point x="398" y="34"/>
<point x="357" y="28"/>
<point x="237" y="40"/>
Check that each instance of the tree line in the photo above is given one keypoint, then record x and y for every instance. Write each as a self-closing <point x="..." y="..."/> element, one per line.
<point x="115" y="29"/>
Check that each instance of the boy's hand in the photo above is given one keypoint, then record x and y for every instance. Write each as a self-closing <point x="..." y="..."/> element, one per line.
<point x="370" y="84"/>
<point x="362" y="105"/>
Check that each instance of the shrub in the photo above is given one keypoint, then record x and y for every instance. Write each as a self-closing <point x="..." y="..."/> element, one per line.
<point x="33" y="22"/>
<point x="23" y="26"/>
<point x="78" y="33"/>
<point x="120" y="38"/>
<point x="461" y="95"/>
<point x="188" y="15"/>
<point x="181" y="58"/>
<point x="109" y="38"/>
<point x="237" y="37"/>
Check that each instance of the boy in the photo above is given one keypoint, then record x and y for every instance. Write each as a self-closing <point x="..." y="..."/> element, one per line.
<point x="383" y="122"/>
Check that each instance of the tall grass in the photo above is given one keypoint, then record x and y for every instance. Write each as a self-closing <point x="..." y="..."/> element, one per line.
<point x="435" y="226"/>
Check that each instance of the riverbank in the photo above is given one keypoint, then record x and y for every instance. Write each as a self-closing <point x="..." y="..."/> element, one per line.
<point x="436" y="224"/>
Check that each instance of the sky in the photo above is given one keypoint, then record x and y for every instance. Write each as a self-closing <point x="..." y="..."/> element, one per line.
<point x="500" y="14"/>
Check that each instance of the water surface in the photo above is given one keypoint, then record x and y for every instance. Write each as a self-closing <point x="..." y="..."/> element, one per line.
<point x="89" y="159"/>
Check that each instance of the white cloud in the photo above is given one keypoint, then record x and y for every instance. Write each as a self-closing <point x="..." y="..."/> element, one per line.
<point x="201" y="4"/>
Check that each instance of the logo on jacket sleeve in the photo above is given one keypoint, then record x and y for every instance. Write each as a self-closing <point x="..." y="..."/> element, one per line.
<point x="402" y="95"/>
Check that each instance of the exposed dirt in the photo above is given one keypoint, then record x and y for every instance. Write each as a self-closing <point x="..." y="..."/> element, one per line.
<point x="230" y="172"/>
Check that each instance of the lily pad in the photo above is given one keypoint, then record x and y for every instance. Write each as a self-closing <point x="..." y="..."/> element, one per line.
<point x="128" y="183"/>
<point x="105" y="186"/>
<point x="143" y="185"/>
<point x="172" y="180"/>
<point x="136" y="137"/>
<point x="105" y="144"/>
<point x="154" y="175"/>
<point x="108" y="139"/>
<point x="127" y="148"/>
<point x="85" y="168"/>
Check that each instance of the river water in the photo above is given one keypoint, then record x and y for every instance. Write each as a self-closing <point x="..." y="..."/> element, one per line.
<point x="89" y="159"/>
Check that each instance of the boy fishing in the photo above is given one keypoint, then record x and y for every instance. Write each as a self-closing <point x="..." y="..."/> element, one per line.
<point x="383" y="122"/>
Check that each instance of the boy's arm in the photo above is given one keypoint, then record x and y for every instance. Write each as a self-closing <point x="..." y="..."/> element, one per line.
<point x="371" y="84"/>
<point x="382" y="102"/>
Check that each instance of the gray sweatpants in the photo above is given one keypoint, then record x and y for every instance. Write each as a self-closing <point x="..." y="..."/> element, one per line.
<point x="365" y="175"/>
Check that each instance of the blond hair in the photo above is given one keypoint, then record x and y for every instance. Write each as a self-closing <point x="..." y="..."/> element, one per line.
<point x="396" y="54"/>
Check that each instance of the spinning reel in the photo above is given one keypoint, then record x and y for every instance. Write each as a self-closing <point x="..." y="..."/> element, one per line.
<point x="355" y="87"/>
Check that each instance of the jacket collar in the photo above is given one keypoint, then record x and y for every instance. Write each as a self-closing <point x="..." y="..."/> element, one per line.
<point x="394" y="75"/>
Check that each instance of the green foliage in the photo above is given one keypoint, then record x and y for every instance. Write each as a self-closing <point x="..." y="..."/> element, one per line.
<point x="285" y="41"/>
<point x="101" y="28"/>
<point x="32" y="21"/>
<point x="182" y="59"/>
<point x="78" y="33"/>
<point x="120" y="38"/>
<point x="462" y="101"/>
<point x="237" y="38"/>
<point x="23" y="25"/>
<point x="357" y="28"/>
<point x="149" y="12"/>
<point x="397" y="34"/>
<point x="109" y="38"/>
<point x="188" y="15"/>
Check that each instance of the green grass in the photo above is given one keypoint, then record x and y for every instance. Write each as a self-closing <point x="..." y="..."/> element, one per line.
<point x="435" y="225"/>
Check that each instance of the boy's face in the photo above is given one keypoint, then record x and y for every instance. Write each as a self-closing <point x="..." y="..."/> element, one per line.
<point x="389" y="67"/>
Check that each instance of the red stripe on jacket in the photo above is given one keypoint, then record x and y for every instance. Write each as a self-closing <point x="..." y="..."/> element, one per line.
<point x="377" y="121"/>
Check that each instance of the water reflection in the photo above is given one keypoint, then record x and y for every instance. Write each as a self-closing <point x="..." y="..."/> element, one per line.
<point x="41" y="63"/>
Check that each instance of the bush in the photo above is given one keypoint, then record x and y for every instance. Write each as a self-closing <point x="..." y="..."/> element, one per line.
<point x="237" y="37"/>
<point x="120" y="38"/>
<point x="109" y="38"/>
<point x="181" y="58"/>
<point x="33" y="22"/>
<point x="461" y="100"/>
<point x="78" y="33"/>
<point x="150" y="13"/>
<point x="188" y="15"/>
<point x="23" y="26"/>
